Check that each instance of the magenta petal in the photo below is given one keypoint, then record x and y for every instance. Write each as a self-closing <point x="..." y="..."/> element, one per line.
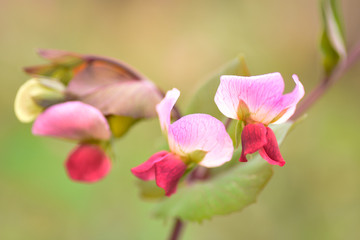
<point x="72" y="120"/>
<point x="146" y="170"/>
<point x="271" y="152"/>
<point x="168" y="172"/>
<point x="87" y="163"/>
<point x="253" y="138"/>
<point x="166" y="168"/>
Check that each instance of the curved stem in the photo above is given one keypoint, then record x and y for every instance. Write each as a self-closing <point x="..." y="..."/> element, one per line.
<point x="327" y="82"/>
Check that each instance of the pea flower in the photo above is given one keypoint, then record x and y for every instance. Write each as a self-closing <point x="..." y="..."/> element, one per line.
<point x="194" y="138"/>
<point x="88" y="99"/>
<point x="258" y="101"/>
<point x="81" y="122"/>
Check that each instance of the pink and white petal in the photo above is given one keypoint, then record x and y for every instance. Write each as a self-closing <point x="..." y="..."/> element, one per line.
<point x="289" y="101"/>
<point x="253" y="138"/>
<point x="201" y="132"/>
<point x="255" y="91"/>
<point x="146" y="170"/>
<point x="164" y="108"/>
<point x="72" y="120"/>
<point x="271" y="152"/>
<point x="288" y="113"/>
<point x="87" y="163"/>
<point x="168" y="172"/>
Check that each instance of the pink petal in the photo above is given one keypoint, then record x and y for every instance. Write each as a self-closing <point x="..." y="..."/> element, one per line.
<point x="100" y="72"/>
<point x="253" y="138"/>
<point x="166" y="168"/>
<point x="289" y="101"/>
<point x="146" y="170"/>
<point x="72" y="120"/>
<point x="271" y="152"/>
<point x="136" y="99"/>
<point x="254" y="91"/>
<point x="168" y="172"/>
<point x="165" y="106"/>
<point x="59" y="56"/>
<point x="87" y="163"/>
<point x="201" y="132"/>
<point x="262" y="96"/>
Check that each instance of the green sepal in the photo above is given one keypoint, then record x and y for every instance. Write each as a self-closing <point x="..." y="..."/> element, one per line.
<point x="332" y="42"/>
<point x="238" y="130"/>
<point x="63" y="72"/>
<point x="196" y="156"/>
<point x="149" y="190"/>
<point x="119" y="125"/>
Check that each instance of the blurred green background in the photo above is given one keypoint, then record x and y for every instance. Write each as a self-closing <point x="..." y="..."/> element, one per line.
<point x="316" y="195"/>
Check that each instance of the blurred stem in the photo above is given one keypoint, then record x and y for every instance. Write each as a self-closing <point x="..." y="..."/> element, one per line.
<point x="176" y="232"/>
<point x="328" y="81"/>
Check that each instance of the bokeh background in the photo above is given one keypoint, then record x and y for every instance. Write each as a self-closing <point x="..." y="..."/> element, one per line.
<point x="316" y="195"/>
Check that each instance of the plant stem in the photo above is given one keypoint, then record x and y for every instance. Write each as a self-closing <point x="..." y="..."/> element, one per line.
<point x="176" y="232"/>
<point x="327" y="82"/>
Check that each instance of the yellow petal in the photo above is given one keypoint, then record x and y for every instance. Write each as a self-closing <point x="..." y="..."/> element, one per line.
<point x="26" y="108"/>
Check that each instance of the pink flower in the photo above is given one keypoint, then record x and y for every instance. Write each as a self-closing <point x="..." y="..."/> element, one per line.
<point x="195" y="138"/>
<point x="258" y="101"/>
<point x="84" y="123"/>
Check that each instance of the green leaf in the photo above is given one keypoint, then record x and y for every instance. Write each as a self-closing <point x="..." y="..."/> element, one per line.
<point x="226" y="192"/>
<point x="203" y="100"/>
<point x="332" y="39"/>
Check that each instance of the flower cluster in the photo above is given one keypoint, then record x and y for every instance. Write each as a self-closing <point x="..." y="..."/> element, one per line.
<point x="202" y="139"/>
<point x="91" y="100"/>
<point x="87" y="99"/>
<point x="195" y="138"/>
